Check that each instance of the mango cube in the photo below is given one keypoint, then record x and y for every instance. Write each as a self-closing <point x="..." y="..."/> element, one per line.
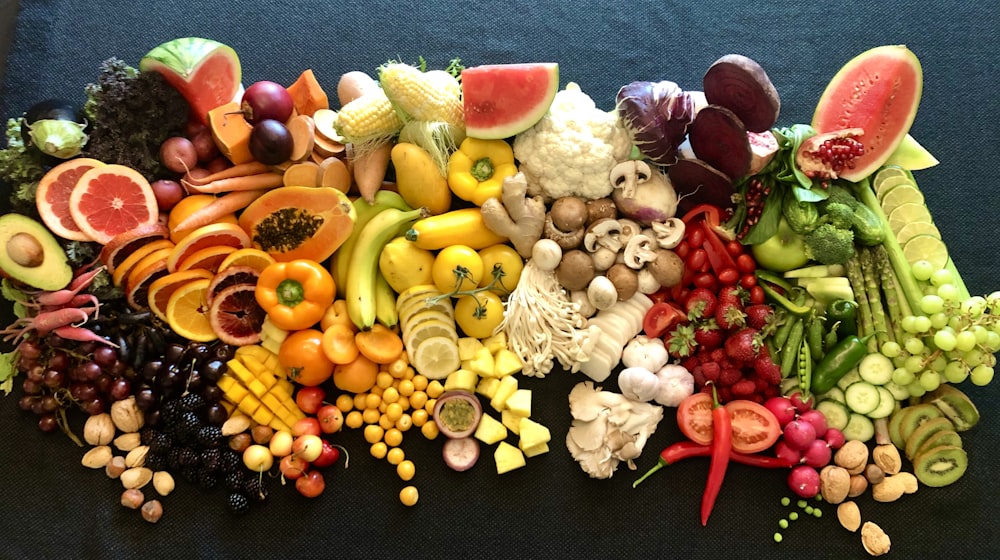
<point x="240" y="371"/>
<point x="520" y="402"/>
<point x="506" y="362"/>
<point x="490" y="430"/>
<point x="481" y="362"/>
<point x="506" y="388"/>
<point x="271" y="344"/>
<point x="262" y="415"/>
<point x="496" y="342"/>
<point x="462" y="379"/>
<point x="487" y="386"/>
<point x="532" y="434"/>
<point x="508" y="457"/>
<point x="511" y="420"/>
<point x="536" y="450"/>
<point x="467" y="347"/>
<point x="248" y="405"/>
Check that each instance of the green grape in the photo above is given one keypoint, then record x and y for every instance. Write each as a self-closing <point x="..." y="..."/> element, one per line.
<point x="914" y="345"/>
<point x="973" y="357"/>
<point x="989" y="360"/>
<point x="922" y="270"/>
<point x="974" y="306"/>
<point x="947" y="292"/>
<point x="993" y="300"/>
<point x="922" y="323"/>
<point x="914" y="364"/>
<point x="956" y="372"/>
<point x="955" y="322"/>
<point x="965" y="341"/>
<point x="938" y="363"/>
<point x="929" y="380"/>
<point x="931" y="303"/>
<point x="916" y="389"/>
<point x="909" y="323"/>
<point x="891" y="349"/>
<point x="981" y="375"/>
<point x="939" y="320"/>
<point x="944" y="340"/>
<point x="941" y="276"/>
<point x="992" y="343"/>
<point x="981" y="333"/>
<point x="903" y="376"/>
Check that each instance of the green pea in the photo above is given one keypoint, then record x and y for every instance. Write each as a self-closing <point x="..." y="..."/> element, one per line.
<point x="783" y="523"/>
<point x="785" y="501"/>
<point x="777" y="537"/>
<point x="793" y="516"/>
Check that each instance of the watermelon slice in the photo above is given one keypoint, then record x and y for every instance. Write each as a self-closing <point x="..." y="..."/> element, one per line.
<point x="877" y="91"/>
<point x="502" y="100"/>
<point x="206" y="72"/>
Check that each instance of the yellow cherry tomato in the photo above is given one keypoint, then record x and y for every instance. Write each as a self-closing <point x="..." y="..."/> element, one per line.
<point x="457" y="268"/>
<point x="478" y="315"/>
<point x="504" y="260"/>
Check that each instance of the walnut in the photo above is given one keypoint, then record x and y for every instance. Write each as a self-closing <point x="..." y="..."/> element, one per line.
<point x="835" y="483"/>
<point x="853" y="456"/>
<point x="99" y="429"/>
<point x="127" y="416"/>
<point x="874" y="539"/>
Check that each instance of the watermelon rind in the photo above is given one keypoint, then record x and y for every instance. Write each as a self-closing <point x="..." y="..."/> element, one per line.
<point x="878" y="91"/>
<point x="503" y="100"/>
<point x="180" y="60"/>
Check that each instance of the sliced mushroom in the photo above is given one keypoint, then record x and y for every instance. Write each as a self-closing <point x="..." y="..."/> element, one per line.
<point x="628" y="175"/>
<point x="603" y="233"/>
<point x="630" y="228"/>
<point x="639" y="251"/>
<point x="669" y="233"/>
<point x="566" y="240"/>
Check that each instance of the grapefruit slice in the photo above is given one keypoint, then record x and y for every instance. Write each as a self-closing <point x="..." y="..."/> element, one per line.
<point x="187" y="311"/>
<point x="52" y="197"/>
<point x="124" y="244"/>
<point x="111" y="199"/>
<point x="212" y="235"/>
<point x="235" y="315"/>
<point x="501" y="100"/>
<point x="207" y="73"/>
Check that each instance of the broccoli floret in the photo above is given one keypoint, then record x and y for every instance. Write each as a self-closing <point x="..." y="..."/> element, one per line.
<point x="829" y="244"/>
<point x="839" y="215"/>
<point x="839" y="194"/>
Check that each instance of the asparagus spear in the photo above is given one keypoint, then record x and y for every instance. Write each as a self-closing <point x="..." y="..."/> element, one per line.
<point x="865" y="323"/>
<point x="872" y="274"/>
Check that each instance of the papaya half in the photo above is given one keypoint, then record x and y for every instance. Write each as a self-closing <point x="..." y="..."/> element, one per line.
<point x="294" y="222"/>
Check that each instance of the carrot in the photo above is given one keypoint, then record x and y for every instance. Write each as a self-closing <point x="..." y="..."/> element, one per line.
<point x="370" y="169"/>
<point x="225" y="204"/>
<point x="244" y="183"/>
<point x="379" y="344"/>
<point x="339" y="344"/>
<point x="238" y="170"/>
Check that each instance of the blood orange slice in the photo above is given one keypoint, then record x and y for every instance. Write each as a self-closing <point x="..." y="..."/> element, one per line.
<point x="112" y="199"/>
<point x="52" y="197"/>
<point x="163" y="287"/>
<point x="230" y="235"/>
<point x="208" y="258"/>
<point x="122" y="245"/>
<point x="187" y="312"/>
<point x="122" y="271"/>
<point x="150" y="268"/>
<point x="235" y="315"/>
<point x="230" y="277"/>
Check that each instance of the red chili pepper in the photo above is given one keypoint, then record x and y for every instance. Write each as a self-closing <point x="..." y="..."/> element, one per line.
<point x="722" y="445"/>
<point x="686" y="449"/>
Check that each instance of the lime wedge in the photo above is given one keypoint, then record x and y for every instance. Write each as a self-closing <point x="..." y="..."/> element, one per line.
<point x="901" y="194"/>
<point x="436" y="357"/>
<point x="908" y="213"/>
<point x="890" y="183"/>
<point x="911" y="230"/>
<point x="926" y="247"/>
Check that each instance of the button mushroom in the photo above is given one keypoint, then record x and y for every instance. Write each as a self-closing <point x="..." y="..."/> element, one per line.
<point x="667" y="268"/>
<point x="601" y="292"/>
<point x="603" y="233"/>
<point x="604" y="258"/>
<point x="625" y="279"/>
<point x="601" y="208"/>
<point x="639" y="250"/>
<point x="669" y="233"/>
<point x="575" y="270"/>
<point x="628" y="175"/>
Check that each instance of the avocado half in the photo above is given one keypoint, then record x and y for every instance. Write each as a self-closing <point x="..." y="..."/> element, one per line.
<point x="30" y="254"/>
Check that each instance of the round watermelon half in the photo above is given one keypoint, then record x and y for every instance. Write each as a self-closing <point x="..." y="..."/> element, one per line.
<point x="206" y="72"/>
<point x="502" y="100"/>
<point x="877" y="91"/>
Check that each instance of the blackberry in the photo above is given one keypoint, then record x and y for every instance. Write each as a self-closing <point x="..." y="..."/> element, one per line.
<point x="192" y="402"/>
<point x="146" y="434"/>
<point x="189" y="457"/>
<point x="206" y="480"/>
<point x="188" y="427"/>
<point x="210" y="436"/>
<point x="159" y="442"/>
<point x="254" y="488"/>
<point x="234" y="480"/>
<point x="190" y="474"/>
<point x="155" y="461"/>
<point x="170" y="412"/>
<point x="174" y="459"/>
<point x="230" y="461"/>
<point x="238" y="503"/>
<point x="211" y="459"/>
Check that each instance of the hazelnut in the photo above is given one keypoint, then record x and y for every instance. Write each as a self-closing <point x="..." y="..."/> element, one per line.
<point x="874" y="473"/>
<point x="261" y="434"/>
<point x="239" y="442"/>
<point x="99" y="429"/>
<point x="115" y="467"/>
<point x="858" y="486"/>
<point x="133" y="498"/>
<point x="152" y="511"/>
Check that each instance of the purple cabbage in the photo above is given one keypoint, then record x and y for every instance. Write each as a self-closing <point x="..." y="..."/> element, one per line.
<point x="656" y="116"/>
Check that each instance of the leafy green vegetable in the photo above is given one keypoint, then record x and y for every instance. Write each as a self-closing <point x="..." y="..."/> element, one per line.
<point x="8" y="370"/>
<point x="21" y="167"/>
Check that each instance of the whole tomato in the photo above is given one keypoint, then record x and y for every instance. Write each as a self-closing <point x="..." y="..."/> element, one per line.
<point x="302" y="356"/>
<point x="457" y="267"/>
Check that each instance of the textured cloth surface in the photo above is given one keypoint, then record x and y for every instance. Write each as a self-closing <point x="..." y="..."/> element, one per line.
<point x="54" y="508"/>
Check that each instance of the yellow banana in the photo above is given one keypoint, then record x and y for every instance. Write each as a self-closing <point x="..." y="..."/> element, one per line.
<point x="365" y="212"/>
<point x="457" y="227"/>
<point x="385" y="302"/>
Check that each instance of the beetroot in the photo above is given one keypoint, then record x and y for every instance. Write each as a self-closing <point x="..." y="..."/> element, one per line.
<point x="719" y="138"/>
<point x="741" y="85"/>
<point x="697" y="182"/>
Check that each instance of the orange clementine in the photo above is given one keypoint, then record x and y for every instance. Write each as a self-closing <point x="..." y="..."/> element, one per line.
<point x="302" y="356"/>
<point x="185" y="208"/>
<point x="249" y="256"/>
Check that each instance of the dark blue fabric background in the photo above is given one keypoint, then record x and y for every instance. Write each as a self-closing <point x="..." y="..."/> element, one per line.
<point x="50" y="507"/>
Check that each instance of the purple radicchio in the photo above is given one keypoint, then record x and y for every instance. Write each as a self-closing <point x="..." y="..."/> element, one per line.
<point x="656" y="116"/>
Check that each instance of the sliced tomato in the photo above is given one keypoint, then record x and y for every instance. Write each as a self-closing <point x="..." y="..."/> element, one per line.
<point x="662" y="317"/>
<point x="694" y="418"/>
<point x="755" y="428"/>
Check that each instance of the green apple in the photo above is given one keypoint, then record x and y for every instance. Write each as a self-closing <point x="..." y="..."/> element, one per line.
<point x="781" y="252"/>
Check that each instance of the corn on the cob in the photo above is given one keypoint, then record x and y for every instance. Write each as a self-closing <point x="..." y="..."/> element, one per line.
<point x="256" y="385"/>
<point x="369" y="119"/>
<point x="422" y="97"/>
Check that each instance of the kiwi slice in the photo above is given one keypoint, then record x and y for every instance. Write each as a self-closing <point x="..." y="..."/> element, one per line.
<point x="940" y="466"/>
<point x="944" y="437"/>
<point x="956" y="406"/>
<point x="894" y="421"/>
<point x="915" y="416"/>
<point x="923" y="432"/>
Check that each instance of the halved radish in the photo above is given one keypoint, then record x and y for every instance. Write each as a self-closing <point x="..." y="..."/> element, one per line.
<point x="52" y="197"/>
<point x="111" y="199"/>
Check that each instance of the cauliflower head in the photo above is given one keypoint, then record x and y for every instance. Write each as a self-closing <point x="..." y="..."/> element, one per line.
<point x="571" y="150"/>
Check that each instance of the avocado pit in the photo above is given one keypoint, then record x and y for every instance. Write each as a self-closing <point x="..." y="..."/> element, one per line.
<point x="25" y="250"/>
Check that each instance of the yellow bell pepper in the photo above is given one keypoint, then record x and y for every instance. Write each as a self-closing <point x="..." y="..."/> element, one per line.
<point x="477" y="169"/>
<point x="295" y="294"/>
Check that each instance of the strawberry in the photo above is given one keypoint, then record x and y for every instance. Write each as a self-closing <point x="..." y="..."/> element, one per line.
<point x="729" y="314"/>
<point x="700" y="303"/>
<point x="732" y="294"/>
<point x="680" y="341"/>
<point x="758" y="315"/>
<point x="765" y="368"/>
<point x="708" y="335"/>
<point x="743" y="345"/>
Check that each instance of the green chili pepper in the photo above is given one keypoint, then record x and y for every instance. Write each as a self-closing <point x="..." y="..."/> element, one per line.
<point x="831" y="337"/>
<point x="845" y="311"/>
<point x="792" y="307"/>
<point x="842" y="358"/>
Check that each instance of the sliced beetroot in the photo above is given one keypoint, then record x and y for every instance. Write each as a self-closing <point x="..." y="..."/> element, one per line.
<point x="719" y="138"/>
<point x="741" y="85"/>
<point x="697" y="182"/>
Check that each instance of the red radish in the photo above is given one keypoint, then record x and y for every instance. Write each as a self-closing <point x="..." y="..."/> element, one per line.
<point x="834" y="438"/>
<point x="804" y="481"/>
<point x="801" y="405"/>
<point x="178" y="154"/>
<point x="782" y="408"/>
<point x="818" y="454"/>
<point x="784" y="451"/>
<point x="816" y="418"/>
<point x="204" y="146"/>
<point x="81" y="334"/>
<point x="800" y="434"/>
<point x="461" y="454"/>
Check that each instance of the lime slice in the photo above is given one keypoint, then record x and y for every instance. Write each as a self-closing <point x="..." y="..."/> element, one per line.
<point x="890" y="183"/>
<point x="430" y="329"/>
<point x="908" y="213"/>
<point x="888" y="172"/>
<point x="901" y="194"/>
<point x="926" y="247"/>
<point x="909" y="231"/>
<point x="436" y="357"/>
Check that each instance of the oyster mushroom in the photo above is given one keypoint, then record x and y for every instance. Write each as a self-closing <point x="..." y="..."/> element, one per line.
<point x="628" y="175"/>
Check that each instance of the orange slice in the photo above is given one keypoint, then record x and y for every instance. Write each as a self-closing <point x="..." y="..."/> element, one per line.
<point x="148" y="270"/>
<point x="122" y="271"/>
<point x="163" y="287"/>
<point x="208" y="258"/>
<point x="187" y="311"/>
<point x="187" y="206"/>
<point x="231" y="235"/>
<point x="252" y="257"/>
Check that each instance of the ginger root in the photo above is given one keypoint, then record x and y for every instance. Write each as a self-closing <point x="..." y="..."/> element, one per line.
<point x="517" y="217"/>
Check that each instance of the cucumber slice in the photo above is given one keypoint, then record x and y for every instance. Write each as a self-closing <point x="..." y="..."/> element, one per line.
<point x="836" y="394"/>
<point x="876" y="369"/>
<point x="789" y="385"/>
<point x="837" y="414"/>
<point x="862" y="397"/>
<point x="859" y="427"/>
<point x="886" y="403"/>
<point x="849" y="379"/>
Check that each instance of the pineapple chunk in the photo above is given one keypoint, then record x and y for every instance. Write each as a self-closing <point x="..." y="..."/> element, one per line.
<point x="536" y="450"/>
<point x="490" y="430"/>
<point x="467" y="347"/>
<point x="271" y="344"/>
<point x="496" y="342"/>
<point x="506" y="388"/>
<point x="520" y="402"/>
<point x="461" y="379"/>
<point x="511" y="420"/>
<point x="488" y="386"/>
<point x="481" y="363"/>
<point x="508" y="457"/>
<point x="506" y="362"/>
<point x="532" y="434"/>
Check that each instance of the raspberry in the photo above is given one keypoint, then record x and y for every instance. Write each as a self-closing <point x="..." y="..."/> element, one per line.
<point x="729" y="376"/>
<point x="718" y="355"/>
<point x="743" y="388"/>
<point x="760" y="384"/>
<point x="711" y="371"/>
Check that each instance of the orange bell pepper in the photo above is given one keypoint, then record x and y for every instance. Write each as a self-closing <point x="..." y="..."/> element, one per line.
<point x="295" y="294"/>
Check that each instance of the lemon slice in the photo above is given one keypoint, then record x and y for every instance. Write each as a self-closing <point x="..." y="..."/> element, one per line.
<point x="423" y="317"/>
<point x="926" y="247"/>
<point x="909" y="231"/>
<point x="420" y="291"/>
<point x="901" y="194"/>
<point x="430" y="329"/>
<point x="407" y="312"/>
<point x="436" y="357"/>
<point x="908" y="213"/>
